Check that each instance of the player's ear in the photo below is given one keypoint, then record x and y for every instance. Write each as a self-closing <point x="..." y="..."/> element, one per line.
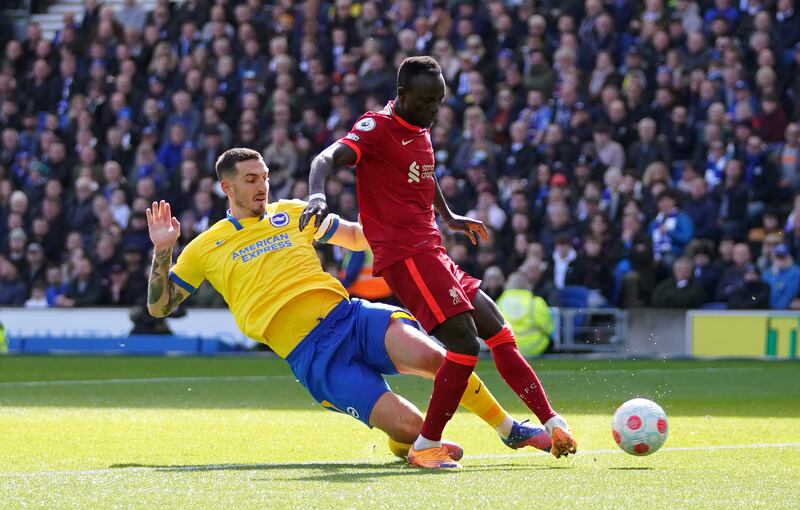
<point x="224" y="185"/>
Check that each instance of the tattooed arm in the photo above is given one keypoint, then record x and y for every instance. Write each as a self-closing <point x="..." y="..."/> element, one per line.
<point x="163" y="295"/>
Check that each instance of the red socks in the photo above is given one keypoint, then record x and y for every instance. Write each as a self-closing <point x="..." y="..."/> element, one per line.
<point x="448" y="388"/>
<point x="518" y="374"/>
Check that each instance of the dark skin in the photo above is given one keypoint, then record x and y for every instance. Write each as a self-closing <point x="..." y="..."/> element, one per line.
<point x="418" y="104"/>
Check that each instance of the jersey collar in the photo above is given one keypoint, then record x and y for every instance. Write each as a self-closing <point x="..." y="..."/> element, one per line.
<point x="235" y="222"/>
<point x="390" y="106"/>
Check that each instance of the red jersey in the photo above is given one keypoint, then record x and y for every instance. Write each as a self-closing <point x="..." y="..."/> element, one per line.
<point x="394" y="179"/>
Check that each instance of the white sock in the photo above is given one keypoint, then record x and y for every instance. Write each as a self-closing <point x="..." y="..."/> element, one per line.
<point x="555" y="421"/>
<point x="504" y="429"/>
<point x="423" y="443"/>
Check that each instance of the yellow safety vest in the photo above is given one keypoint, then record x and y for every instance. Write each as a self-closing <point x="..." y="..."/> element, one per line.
<point x="529" y="317"/>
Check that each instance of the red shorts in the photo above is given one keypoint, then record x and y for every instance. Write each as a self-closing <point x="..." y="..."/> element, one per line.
<point x="432" y="286"/>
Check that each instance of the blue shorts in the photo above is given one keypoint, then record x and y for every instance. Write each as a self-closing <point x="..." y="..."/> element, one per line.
<point x="341" y="360"/>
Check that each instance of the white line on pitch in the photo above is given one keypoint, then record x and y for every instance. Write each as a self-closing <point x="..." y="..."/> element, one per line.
<point x="374" y="462"/>
<point x="146" y="380"/>
<point x="257" y="378"/>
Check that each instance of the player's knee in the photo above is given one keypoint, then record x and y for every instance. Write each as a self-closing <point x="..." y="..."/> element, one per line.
<point x="459" y="334"/>
<point x="468" y="345"/>
<point x="431" y="361"/>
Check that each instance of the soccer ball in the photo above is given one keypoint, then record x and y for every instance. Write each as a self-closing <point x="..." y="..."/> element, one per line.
<point x="639" y="427"/>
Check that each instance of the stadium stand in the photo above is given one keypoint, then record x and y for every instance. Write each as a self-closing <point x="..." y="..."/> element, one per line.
<point x="602" y="142"/>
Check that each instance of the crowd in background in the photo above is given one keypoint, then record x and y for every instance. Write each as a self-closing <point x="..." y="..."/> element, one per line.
<point x="648" y="152"/>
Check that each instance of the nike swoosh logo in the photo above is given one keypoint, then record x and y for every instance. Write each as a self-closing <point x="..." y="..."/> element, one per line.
<point x="479" y="388"/>
<point x="220" y="241"/>
<point x="406" y="142"/>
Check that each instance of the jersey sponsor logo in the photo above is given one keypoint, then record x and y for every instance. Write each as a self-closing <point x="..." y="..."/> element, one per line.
<point x="279" y="220"/>
<point x="455" y="296"/>
<point x="367" y="124"/>
<point x="414" y="173"/>
<point x="352" y="136"/>
<point x="406" y="142"/>
<point x="266" y="245"/>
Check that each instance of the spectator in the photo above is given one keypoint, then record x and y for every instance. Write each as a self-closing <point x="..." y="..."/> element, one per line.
<point x="564" y="256"/>
<point x="13" y="291"/>
<point x="518" y="156"/>
<point x="783" y="278"/>
<point x="706" y="273"/>
<point x="35" y="263"/>
<point x="131" y="16"/>
<point x="787" y="158"/>
<point x="609" y="152"/>
<point x="648" y="149"/>
<point x="754" y="294"/>
<point x="536" y="272"/>
<point x="487" y="203"/>
<point x="732" y="197"/>
<point x="170" y="152"/>
<point x="79" y="210"/>
<point x="493" y="282"/>
<point x="281" y="152"/>
<point x="537" y="115"/>
<point x="591" y="269"/>
<point x="122" y="289"/>
<point x="559" y="223"/>
<point x="681" y="290"/>
<point x="733" y="276"/>
<point x="702" y="210"/>
<point x="670" y="230"/>
<point x="38" y="298"/>
<point x="771" y="123"/>
<point x="760" y="176"/>
<point x="55" y="284"/>
<point x="634" y="276"/>
<point x="85" y="288"/>
<point x="17" y="241"/>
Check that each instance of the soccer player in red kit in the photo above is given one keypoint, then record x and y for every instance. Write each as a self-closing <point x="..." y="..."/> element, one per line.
<point x="397" y="193"/>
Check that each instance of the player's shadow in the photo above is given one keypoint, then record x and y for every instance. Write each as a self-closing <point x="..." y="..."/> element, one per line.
<point x="334" y="472"/>
<point x="330" y="472"/>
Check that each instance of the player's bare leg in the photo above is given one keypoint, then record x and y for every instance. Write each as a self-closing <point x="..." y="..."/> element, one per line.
<point x="518" y="373"/>
<point x="413" y="352"/>
<point x="402" y="421"/>
<point x="459" y="335"/>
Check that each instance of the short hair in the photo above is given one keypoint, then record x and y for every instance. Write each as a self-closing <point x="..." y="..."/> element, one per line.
<point x="415" y="66"/>
<point x="670" y="194"/>
<point x="226" y="163"/>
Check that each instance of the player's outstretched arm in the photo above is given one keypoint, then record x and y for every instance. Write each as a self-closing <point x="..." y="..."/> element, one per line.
<point x="163" y="296"/>
<point x="347" y="234"/>
<point x="457" y="222"/>
<point x="335" y="156"/>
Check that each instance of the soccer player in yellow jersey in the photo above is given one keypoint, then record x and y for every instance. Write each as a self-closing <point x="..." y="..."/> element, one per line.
<point x="338" y="348"/>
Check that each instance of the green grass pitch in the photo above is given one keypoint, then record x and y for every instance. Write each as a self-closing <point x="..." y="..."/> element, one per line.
<point x="237" y="433"/>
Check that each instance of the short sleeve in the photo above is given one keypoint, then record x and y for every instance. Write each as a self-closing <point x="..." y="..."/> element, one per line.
<point x="188" y="271"/>
<point x="361" y="136"/>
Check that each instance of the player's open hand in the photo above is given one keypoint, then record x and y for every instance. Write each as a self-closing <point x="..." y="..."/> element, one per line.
<point x="317" y="208"/>
<point x="163" y="226"/>
<point x="469" y="226"/>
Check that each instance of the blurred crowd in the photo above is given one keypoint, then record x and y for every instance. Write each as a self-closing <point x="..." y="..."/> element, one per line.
<point x="648" y="152"/>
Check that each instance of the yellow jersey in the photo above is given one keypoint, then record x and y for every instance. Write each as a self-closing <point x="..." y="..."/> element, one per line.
<point x="268" y="272"/>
